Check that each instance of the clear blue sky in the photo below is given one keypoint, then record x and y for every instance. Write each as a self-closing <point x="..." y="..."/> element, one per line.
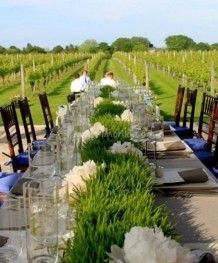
<point x="51" y="22"/>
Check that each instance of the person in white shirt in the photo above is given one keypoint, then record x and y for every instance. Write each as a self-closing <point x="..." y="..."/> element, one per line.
<point x="85" y="79"/>
<point x="108" y="80"/>
<point x="76" y="85"/>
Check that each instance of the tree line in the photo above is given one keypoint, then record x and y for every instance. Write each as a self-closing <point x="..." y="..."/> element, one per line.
<point x="174" y="42"/>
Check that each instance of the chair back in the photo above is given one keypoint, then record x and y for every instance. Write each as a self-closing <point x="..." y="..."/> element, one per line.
<point x="213" y="127"/>
<point x="27" y="120"/>
<point x="70" y="98"/>
<point x="178" y="107"/>
<point x="189" y="108"/>
<point x="12" y="130"/>
<point x="205" y="114"/>
<point x="46" y="113"/>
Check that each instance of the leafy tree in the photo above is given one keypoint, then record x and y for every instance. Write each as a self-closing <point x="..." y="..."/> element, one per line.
<point x="140" y="43"/>
<point x="202" y="46"/>
<point x="71" y="48"/>
<point x="122" y="44"/>
<point x="2" y="50"/>
<point x="13" y="50"/>
<point x="90" y="45"/>
<point x="33" y="49"/>
<point x="57" y="49"/>
<point x="179" y="42"/>
<point x="214" y="46"/>
<point x="103" y="46"/>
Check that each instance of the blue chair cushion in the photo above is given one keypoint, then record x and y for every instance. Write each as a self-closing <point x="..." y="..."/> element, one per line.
<point x="38" y="144"/>
<point x="196" y="144"/>
<point x="8" y="180"/>
<point x="21" y="159"/>
<point x="205" y="157"/>
<point x="171" y="123"/>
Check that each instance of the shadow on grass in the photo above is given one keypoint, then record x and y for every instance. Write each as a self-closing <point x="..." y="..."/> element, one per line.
<point x="7" y="88"/>
<point x="155" y="88"/>
<point x="57" y="90"/>
<point x="166" y="115"/>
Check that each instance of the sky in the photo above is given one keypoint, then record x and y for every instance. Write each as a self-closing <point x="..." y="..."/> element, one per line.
<point x="48" y="23"/>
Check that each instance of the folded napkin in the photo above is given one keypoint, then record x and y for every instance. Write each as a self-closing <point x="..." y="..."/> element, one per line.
<point x="197" y="175"/>
<point x="174" y="146"/>
<point x="3" y="240"/>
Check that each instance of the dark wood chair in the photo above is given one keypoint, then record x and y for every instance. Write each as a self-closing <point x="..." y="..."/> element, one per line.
<point x="49" y="124"/>
<point x="28" y="124"/>
<point x="205" y="114"/>
<point x="71" y="98"/>
<point x="178" y="106"/>
<point x="186" y="129"/>
<point x="206" y="148"/>
<point x="19" y="158"/>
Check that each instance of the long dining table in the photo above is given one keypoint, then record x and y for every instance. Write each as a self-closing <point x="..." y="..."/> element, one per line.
<point x="192" y="207"/>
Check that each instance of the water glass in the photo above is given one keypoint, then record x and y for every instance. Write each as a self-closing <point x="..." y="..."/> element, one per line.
<point x="41" y="214"/>
<point x="10" y="230"/>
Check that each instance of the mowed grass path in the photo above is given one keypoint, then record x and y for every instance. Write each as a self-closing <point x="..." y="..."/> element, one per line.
<point x="165" y="90"/>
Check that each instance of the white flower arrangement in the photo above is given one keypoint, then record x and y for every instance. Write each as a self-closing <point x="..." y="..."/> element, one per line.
<point x="77" y="176"/>
<point x="93" y="132"/>
<point x="126" y="148"/>
<point x="97" y="101"/>
<point x="146" y="245"/>
<point x="118" y="102"/>
<point x="127" y="115"/>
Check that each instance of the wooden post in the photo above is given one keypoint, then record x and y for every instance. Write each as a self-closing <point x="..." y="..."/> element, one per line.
<point x="34" y="66"/>
<point x="22" y="80"/>
<point x="146" y="77"/>
<point x="212" y="80"/>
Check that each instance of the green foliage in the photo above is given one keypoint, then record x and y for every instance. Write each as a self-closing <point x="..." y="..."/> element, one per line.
<point x="179" y="42"/>
<point x="57" y="49"/>
<point x="107" y="107"/>
<point x="130" y="44"/>
<point x="117" y="198"/>
<point x="90" y="46"/>
<point x="106" y="91"/>
<point x="202" y="46"/>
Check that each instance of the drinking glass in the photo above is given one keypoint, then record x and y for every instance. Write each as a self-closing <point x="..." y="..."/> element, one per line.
<point x="41" y="214"/>
<point x="42" y="165"/>
<point x="10" y="230"/>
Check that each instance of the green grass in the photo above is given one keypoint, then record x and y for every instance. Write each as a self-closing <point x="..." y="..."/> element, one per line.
<point x="119" y="71"/>
<point x="165" y="90"/>
<point x="57" y="92"/>
<point x="101" y="70"/>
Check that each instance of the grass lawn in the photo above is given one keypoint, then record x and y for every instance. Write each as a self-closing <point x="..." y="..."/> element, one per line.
<point x="57" y="92"/>
<point x="165" y="89"/>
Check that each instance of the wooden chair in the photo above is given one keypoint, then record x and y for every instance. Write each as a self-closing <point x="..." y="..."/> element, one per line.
<point x="186" y="130"/>
<point x="46" y="113"/>
<point x="19" y="158"/>
<point x="178" y="106"/>
<point x="205" y="114"/>
<point x="71" y="98"/>
<point x="206" y="149"/>
<point x="28" y="124"/>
